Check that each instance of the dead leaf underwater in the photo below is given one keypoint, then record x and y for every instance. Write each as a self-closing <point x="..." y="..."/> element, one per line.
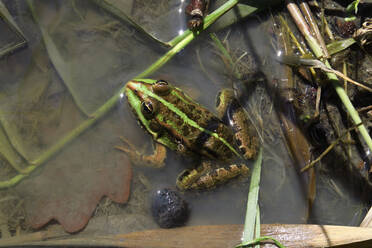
<point x="69" y="186"/>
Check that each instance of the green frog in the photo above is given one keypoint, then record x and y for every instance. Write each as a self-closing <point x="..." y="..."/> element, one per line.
<point x="176" y="121"/>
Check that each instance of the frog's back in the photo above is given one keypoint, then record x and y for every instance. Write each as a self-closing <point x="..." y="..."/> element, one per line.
<point x="195" y="128"/>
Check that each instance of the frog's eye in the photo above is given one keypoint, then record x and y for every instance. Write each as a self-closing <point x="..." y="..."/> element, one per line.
<point x="161" y="87"/>
<point x="148" y="109"/>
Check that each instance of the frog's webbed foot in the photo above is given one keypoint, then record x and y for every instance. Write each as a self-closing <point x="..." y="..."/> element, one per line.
<point x="205" y="178"/>
<point x="155" y="160"/>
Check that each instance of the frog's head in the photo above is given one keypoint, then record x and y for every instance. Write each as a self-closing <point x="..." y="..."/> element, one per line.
<point x="143" y="97"/>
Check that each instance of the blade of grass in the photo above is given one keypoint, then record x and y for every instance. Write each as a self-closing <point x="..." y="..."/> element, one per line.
<point x="225" y="53"/>
<point x="257" y="231"/>
<point x="221" y="47"/>
<point x="252" y="202"/>
<point x="340" y="45"/>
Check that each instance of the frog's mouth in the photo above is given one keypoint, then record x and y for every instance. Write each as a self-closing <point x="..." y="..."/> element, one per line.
<point x="133" y="86"/>
<point x="134" y="96"/>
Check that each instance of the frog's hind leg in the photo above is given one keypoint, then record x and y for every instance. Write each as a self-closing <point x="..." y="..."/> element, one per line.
<point x="206" y="178"/>
<point x="220" y="176"/>
<point x="155" y="160"/>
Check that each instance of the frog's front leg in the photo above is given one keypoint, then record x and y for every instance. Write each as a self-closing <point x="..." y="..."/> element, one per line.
<point x="205" y="178"/>
<point x="155" y="160"/>
<point x="233" y="114"/>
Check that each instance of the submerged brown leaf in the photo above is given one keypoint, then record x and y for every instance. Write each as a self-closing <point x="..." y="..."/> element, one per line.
<point x="69" y="186"/>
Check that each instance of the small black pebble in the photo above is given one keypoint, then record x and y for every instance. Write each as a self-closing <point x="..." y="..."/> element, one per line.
<point x="169" y="209"/>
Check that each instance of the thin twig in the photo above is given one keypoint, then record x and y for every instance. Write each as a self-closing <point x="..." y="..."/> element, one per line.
<point x="297" y="61"/>
<point x="365" y="108"/>
<point x="317" y="101"/>
<point x="344" y="70"/>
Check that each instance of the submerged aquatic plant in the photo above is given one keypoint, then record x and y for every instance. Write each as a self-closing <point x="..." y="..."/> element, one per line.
<point x="177" y="44"/>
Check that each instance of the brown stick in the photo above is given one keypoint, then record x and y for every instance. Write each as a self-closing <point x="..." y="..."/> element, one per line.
<point x="295" y="139"/>
<point x="216" y="236"/>
<point x="314" y="27"/>
<point x="365" y="108"/>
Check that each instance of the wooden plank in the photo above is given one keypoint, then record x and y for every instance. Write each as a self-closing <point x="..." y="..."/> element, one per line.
<point x="214" y="237"/>
<point x="367" y="221"/>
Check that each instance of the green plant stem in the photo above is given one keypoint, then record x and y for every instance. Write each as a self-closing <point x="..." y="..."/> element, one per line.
<point x="349" y="106"/>
<point x="208" y="20"/>
<point x="314" y="27"/>
<point x="260" y="240"/>
<point x="187" y="37"/>
<point x="296" y="14"/>
<point x="105" y="108"/>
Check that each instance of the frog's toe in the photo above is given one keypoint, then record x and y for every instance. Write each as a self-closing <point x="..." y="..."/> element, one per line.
<point x="133" y="155"/>
<point x="127" y="143"/>
<point x="195" y="23"/>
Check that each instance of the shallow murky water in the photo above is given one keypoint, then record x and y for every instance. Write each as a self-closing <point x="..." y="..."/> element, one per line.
<point x="46" y="91"/>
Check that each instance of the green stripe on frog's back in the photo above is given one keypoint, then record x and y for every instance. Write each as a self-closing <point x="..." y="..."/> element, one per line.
<point x="185" y="118"/>
<point x="184" y="97"/>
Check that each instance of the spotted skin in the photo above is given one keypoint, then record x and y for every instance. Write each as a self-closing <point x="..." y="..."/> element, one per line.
<point x="179" y="123"/>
